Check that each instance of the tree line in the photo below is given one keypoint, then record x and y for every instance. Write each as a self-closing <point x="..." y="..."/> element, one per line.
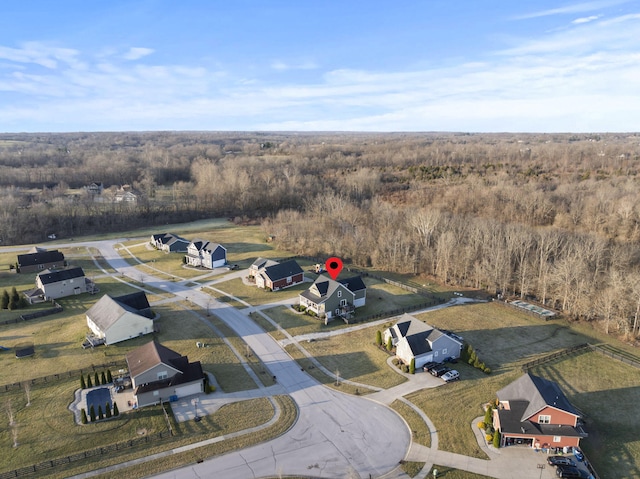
<point x="553" y="217"/>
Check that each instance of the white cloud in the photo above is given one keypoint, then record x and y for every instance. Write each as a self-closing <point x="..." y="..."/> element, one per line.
<point x="283" y="66"/>
<point x="135" y="53"/>
<point x="575" y="8"/>
<point x="591" y="18"/>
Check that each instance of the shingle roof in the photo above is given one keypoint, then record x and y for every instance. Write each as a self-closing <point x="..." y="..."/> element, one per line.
<point x="149" y="355"/>
<point x="216" y="250"/>
<point x="283" y="270"/>
<point x="48" y="277"/>
<point x="108" y="310"/>
<point x="538" y="392"/>
<point x="260" y="263"/>
<point x="40" y="257"/>
<point x="354" y="284"/>
<point x="322" y="289"/>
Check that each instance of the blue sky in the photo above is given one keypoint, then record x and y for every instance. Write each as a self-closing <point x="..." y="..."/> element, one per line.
<point x="347" y="65"/>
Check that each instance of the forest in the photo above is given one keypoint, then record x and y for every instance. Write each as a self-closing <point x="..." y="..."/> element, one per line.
<point x="548" y="217"/>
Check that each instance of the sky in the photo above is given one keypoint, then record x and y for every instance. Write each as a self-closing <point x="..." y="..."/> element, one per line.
<point x="322" y="65"/>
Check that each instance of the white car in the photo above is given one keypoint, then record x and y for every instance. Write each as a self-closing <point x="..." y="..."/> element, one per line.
<point x="452" y="375"/>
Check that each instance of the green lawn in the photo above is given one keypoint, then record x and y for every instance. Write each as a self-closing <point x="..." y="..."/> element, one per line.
<point x="257" y="296"/>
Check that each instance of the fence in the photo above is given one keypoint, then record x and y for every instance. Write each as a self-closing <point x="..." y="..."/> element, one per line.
<point x="37" y="314"/>
<point x="98" y="451"/>
<point x="390" y="314"/>
<point x="630" y="360"/>
<point x="557" y="354"/>
<point x="66" y="375"/>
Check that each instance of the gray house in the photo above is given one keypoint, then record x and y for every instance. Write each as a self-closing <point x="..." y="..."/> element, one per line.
<point x="169" y="243"/>
<point x="328" y="299"/>
<point x="206" y="254"/>
<point x="59" y="283"/>
<point x="417" y="340"/>
<point x="161" y="374"/>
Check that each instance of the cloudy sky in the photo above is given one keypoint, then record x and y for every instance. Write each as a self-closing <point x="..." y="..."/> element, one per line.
<point x="323" y="65"/>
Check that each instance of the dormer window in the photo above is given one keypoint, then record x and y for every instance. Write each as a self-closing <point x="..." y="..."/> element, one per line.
<point x="339" y="294"/>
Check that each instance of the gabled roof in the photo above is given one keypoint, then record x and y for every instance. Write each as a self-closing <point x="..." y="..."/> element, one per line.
<point x="322" y="289"/>
<point x="168" y="238"/>
<point x="48" y="276"/>
<point x="149" y="355"/>
<point x="409" y="325"/>
<point x="538" y="392"/>
<point x="107" y="310"/>
<point x="40" y="257"/>
<point x="354" y="284"/>
<point x="217" y="251"/>
<point x="282" y="270"/>
<point x="260" y="263"/>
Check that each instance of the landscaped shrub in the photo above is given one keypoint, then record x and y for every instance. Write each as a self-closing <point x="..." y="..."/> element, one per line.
<point x="4" y="300"/>
<point x="488" y="437"/>
<point x="83" y="385"/>
<point x="92" y="413"/>
<point x="100" y="415"/>
<point x="115" y="410"/>
<point x="488" y="414"/>
<point x="395" y="361"/>
<point x="103" y="378"/>
<point x="481" y="425"/>
<point x="96" y="379"/>
<point x="487" y="370"/>
<point x="107" y="409"/>
<point x="389" y="344"/>
<point x="379" y="337"/>
<point x="496" y="439"/>
<point x="83" y="416"/>
<point x="89" y="383"/>
<point x="412" y="366"/>
<point x="405" y="368"/>
<point x="109" y="376"/>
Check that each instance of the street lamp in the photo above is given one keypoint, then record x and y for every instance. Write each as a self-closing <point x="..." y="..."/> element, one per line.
<point x="195" y="401"/>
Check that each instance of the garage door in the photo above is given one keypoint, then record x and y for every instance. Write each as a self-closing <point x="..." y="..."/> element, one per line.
<point x="188" y="390"/>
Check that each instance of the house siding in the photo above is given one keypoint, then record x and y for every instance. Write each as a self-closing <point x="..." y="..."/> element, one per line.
<point x="557" y="416"/>
<point x="149" y="398"/>
<point x="151" y="375"/>
<point x="282" y="283"/>
<point x="64" y="288"/>
<point x="130" y="325"/>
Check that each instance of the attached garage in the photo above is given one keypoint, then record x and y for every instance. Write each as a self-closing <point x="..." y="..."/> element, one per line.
<point x="189" y="389"/>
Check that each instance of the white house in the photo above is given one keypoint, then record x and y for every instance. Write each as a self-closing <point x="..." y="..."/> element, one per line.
<point x="417" y="340"/>
<point x="121" y="318"/>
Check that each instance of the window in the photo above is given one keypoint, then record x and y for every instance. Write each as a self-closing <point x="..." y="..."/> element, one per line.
<point x="339" y="294"/>
<point x="162" y="375"/>
<point x="444" y="351"/>
<point x="289" y="280"/>
<point x="435" y="354"/>
<point x="156" y="393"/>
<point x="556" y="438"/>
<point x="544" y="419"/>
<point x="343" y="302"/>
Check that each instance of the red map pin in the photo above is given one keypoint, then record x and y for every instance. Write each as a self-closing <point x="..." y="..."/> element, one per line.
<point x="334" y="266"/>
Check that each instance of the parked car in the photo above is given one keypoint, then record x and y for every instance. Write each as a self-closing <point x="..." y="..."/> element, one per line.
<point x="439" y="371"/>
<point x="451" y="360"/>
<point x="571" y="472"/>
<point x="231" y="267"/>
<point x="430" y="365"/>
<point x="452" y="375"/>
<point x="560" y="461"/>
<point x="578" y="454"/>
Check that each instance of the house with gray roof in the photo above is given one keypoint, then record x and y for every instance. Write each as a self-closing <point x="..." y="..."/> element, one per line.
<point x="273" y="275"/>
<point x="58" y="284"/>
<point x="112" y="320"/>
<point x="38" y="259"/>
<point x="534" y="411"/>
<point x="169" y="243"/>
<point x="329" y="299"/>
<point x="415" y="339"/>
<point x="206" y="254"/>
<point x="161" y="374"/>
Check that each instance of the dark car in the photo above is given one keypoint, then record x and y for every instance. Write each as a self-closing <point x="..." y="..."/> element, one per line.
<point x="560" y="461"/>
<point x="571" y="472"/>
<point x="430" y="365"/>
<point x="451" y="360"/>
<point x="439" y="371"/>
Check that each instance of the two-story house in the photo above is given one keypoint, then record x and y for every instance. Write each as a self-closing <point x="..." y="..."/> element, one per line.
<point x="534" y="411"/>
<point x="112" y="320"/>
<point x="161" y="374"/>
<point x="38" y="259"/>
<point x="330" y="299"/>
<point x="275" y="276"/>
<point x="59" y="283"/>
<point x="206" y="254"/>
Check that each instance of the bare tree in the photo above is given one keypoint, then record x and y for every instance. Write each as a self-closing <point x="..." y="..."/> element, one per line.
<point x="27" y="391"/>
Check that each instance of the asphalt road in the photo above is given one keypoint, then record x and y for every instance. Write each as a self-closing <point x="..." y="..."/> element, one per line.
<point x="336" y="435"/>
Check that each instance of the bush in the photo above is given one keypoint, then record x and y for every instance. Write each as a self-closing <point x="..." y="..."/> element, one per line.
<point x="96" y="379"/>
<point x="83" y="385"/>
<point x="89" y="383"/>
<point x="488" y="414"/>
<point x="107" y="409"/>
<point x="496" y="439"/>
<point x="4" y="300"/>
<point x="481" y="425"/>
<point x="115" y="410"/>
<point x="488" y="437"/>
<point x="395" y="361"/>
<point x="92" y="413"/>
<point x="103" y="378"/>
<point x="109" y="376"/>
<point x="412" y="366"/>
<point x="389" y="344"/>
<point x="487" y="370"/>
<point x="379" y="337"/>
<point x="83" y="416"/>
<point x="211" y="388"/>
<point x="100" y="415"/>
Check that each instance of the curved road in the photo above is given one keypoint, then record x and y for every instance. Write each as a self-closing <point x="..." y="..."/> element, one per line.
<point x="336" y="435"/>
